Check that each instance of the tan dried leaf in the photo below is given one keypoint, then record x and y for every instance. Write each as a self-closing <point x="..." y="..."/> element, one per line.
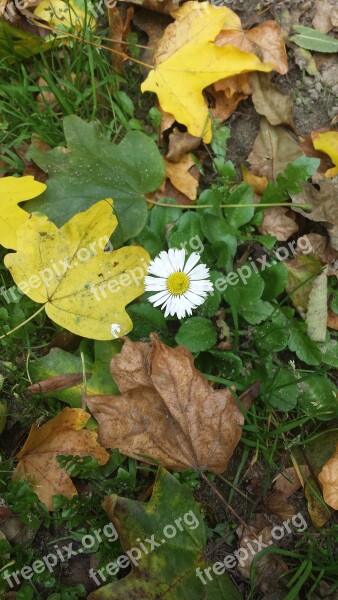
<point x="273" y="149"/>
<point x="63" y="435"/>
<point x="269" y="101"/>
<point x="277" y="222"/>
<point x="288" y="481"/>
<point x="181" y="178"/>
<point x="163" y="409"/>
<point x="328" y="477"/>
<point x="180" y="143"/>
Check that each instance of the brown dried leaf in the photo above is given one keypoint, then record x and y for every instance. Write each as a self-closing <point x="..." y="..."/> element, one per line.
<point x="154" y="25"/>
<point x="181" y="177"/>
<point x="58" y="382"/>
<point x="325" y="16"/>
<point x="277" y="504"/>
<point x="273" y="149"/>
<point x="277" y="222"/>
<point x="180" y="143"/>
<point x="288" y="481"/>
<point x="324" y="205"/>
<point x="332" y="320"/>
<point x="163" y="409"/>
<point x="328" y="477"/>
<point x="161" y="6"/>
<point x="269" y="101"/>
<point x="63" y="435"/>
<point x="225" y="95"/>
<point x="118" y="30"/>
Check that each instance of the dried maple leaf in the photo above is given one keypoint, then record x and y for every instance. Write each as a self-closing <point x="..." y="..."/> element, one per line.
<point x="180" y="143"/>
<point x="163" y="409"/>
<point x="328" y="477"/>
<point x="186" y="62"/>
<point x="63" y="435"/>
<point x="180" y="176"/>
<point x="277" y="222"/>
<point x="269" y="101"/>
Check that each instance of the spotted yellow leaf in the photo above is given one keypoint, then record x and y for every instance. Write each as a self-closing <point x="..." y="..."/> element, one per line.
<point x="83" y="288"/>
<point x="327" y="142"/>
<point x="187" y="61"/>
<point x="14" y="190"/>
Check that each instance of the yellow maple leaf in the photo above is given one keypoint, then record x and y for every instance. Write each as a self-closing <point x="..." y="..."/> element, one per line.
<point x="327" y="142"/>
<point x="187" y="61"/>
<point x="62" y="436"/>
<point x="14" y="190"/>
<point x="83" y="288"/>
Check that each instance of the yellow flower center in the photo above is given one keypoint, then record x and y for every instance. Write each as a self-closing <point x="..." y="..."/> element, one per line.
<point x="178" y="283"/>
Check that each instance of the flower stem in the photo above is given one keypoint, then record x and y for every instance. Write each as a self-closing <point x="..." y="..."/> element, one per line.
<point x="23" y="323"/>
<point x="195" y="206"/>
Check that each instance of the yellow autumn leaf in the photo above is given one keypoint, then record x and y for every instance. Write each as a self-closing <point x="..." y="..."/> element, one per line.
<point x="14" y="190"/>
<point x="328" y="143"/>
<point x="61" y="436"/>
<point x="62" y="15"/>
<point x="187" y="61"/>
<point x="83" y="288"/>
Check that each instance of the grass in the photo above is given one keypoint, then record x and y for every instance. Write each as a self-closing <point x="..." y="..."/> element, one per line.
<point x="34" y="97"/>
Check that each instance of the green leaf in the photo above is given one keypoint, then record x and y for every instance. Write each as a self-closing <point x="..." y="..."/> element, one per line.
<point x="284" y="392"/>
<point x="196" y="334"/>
<point x="290" y="181"/>
<point x="187" y="233"/>
<point x="216" y="229"/>
<point x="213" y="300"/>
<point x="329" y="353"/>
<point x="228" y="363"/>
<point x="305" y="349"/>
<point x="271" y="337"/>
<point x="243" y="291"/>
<point x="161" y="217"/>
<point x="92" y="168"/>
<point x="318" y="397"/>
<point x="173" y="519"/>
<point x="60" y="362"/>
<point x="311" y="39"/>
<point x="256" y="312"/>
<point x="16" y="43"/>
<point x="149" y="240"/>
<point x="275" y="277"/>
<point x="146" y="319"/>
<point x="242" y="195"/>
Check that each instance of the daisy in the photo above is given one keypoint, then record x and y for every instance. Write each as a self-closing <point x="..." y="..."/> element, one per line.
<point x="181" y="287"/>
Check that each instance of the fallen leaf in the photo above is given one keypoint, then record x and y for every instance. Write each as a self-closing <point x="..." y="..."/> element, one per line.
<point x="325" y="13"/>
<point x="91" y="168"/>
<point x="324" y="205"/>
<point x="269" y="101"/>
<point x="328" y="477"/>
<point x="59" y="363"/>
<point x="288" y="481"/>
<point x="327" y="142"/>
<point x="154" y="25"/>
<point x="170" y="571"/>
<point x="85" y="294"/>
<point x="56" y="383"/>
<point x="258" y="184"/>
<point x="163" y="407"/>
<point x="273" y="149"/>
<point x="308" y="148"/>
<point x="278" y="222"/>
<point x="318" y="512"/>
<point x="65" y="16"/>
<point x="265" y="40"/>
<point x="14" y="190"/>
<point x="332" y="320"/>
<point x="317" y="313"/>
<point x="61" y="436"/>
<point x="180" y="176"/>
<point x="224" y="95"/>
<point x="186" y="62"/>
<point x="299" y="286"/>
<point x="161" y="6"/>
<point x="180" y="143"/>
<point x="276" y="504"/>
<point x="118" y="30"/>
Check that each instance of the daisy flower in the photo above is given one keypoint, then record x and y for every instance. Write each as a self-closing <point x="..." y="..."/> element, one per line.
<point x="181" y="285"/>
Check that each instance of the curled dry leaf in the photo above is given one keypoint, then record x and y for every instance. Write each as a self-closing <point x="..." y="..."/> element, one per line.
<point x="58" y="382"/>
<point x="328" y="477"/>
<point x="181" y="177"/>
<point x="224" y="95"/>
<point x="63" y="435"/>
<point x="277" y="222"/>
<point x="273" y="149"/>
<point x="163" y="409"/>
<point x="324" y="205"/>
<point x="269" y="101"/>
<point x="180" y="143"/>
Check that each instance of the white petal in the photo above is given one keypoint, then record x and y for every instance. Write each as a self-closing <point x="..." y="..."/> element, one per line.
<point x="155" y="284"/>
<point x="176" y="258"/>
<point x="161" y="265"/>
<point x="194" y="299"/>
<point x="157" y="299"/>
<point x="191" y="262"/>
<point x="203" y="285"/>
<point x="199" y="272"/>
